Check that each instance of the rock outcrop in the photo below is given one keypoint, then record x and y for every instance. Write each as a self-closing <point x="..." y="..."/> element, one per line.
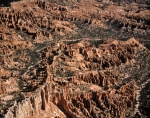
<point x="61" y="59"/>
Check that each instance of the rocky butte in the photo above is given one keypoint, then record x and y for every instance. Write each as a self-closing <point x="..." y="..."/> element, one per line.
<point x="75" y="59"/>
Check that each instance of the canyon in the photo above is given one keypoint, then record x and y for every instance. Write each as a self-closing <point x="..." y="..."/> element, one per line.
<point x="75" y="59"/>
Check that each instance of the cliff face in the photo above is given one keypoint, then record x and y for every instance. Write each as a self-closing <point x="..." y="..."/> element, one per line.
<point x="37" y="105"/>
<point x="84" y="86"/>
<point x="66" y="59"/>
<point x="89" y="103"/>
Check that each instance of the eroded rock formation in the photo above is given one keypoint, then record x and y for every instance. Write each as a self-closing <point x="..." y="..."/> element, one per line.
<point x="66" y="59"/>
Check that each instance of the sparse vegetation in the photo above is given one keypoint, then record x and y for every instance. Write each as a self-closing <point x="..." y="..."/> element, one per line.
<point x="96" y="42"/>
<point x="67" y="73"/>
<point x="40" y="56"/>
<point x="5" y="77"/>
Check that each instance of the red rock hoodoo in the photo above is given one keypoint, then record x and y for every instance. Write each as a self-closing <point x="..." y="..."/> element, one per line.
<point x="74" y="59"/>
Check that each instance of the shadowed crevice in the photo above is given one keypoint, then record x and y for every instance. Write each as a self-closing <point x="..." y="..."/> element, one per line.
<point x="6" y="3"/>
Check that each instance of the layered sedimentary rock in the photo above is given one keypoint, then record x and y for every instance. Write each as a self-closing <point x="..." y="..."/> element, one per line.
<point x="66" y="59"/>
<point x="59" y="84"/>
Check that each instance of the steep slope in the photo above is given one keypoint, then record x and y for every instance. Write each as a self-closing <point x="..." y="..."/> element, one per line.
<point x="75" y="59"/>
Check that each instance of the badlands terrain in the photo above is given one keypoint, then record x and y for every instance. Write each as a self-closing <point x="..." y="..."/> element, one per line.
<point x="74" y="59"/>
